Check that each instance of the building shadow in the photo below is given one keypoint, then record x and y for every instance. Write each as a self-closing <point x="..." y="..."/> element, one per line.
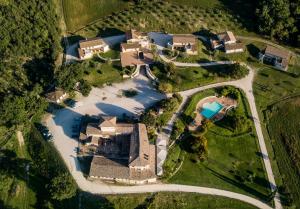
<point x="112" y="109"/>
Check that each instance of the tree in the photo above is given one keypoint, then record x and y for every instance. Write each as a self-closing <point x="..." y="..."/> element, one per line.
<point x="62" y="187"/>
<point x="149" y="119"/>
<point x="67" y="76"/>
<point x="199" y="146"/>
<point x="85" y="88"/>
<point x="230" y="91"/>
<point x="238" y="71"/>
<point x="13" y="111"/>
<point x="275" y="19"/>
<point x="170" y="68"/>
<point x="165" y="87"/>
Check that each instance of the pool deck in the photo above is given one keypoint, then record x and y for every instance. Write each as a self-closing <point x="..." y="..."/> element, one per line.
<point x="225" y="101"/>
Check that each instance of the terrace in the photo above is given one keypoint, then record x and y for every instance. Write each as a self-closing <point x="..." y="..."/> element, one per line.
<point x="212" y="108"/>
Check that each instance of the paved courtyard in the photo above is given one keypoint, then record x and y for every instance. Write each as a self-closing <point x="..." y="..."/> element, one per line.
<point x="107" y="100"/>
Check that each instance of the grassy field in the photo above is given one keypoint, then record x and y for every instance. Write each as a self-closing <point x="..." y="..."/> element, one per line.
<point x="162" y="201"/>
<point x="271" y="87"/>
<point x="283" y="127"/>
<point x="19" y="190"/>
<point x="14" y="192"/>
<point x="79" y="13"/>
<point x="190" y="77"/>
<point x="230" y="155"/>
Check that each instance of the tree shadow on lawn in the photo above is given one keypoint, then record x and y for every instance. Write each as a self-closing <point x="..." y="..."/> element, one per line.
<point x="241" y="185"/>
<point x="253" y="50"/>
<point x="243" y="12"/>
<point x="106" y="32"/>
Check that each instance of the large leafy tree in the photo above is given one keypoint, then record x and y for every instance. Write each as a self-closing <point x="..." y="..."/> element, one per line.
<point x="62" y="187"/>
<point x="275" y="19"/>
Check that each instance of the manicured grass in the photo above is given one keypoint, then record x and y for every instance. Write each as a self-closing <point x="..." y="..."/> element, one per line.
<point x="191" y="77"/>
<point x="79" y="13"/>
<point x="230" y="157"/>
<point x="162" y="201"/>
<point x="103" y="74"/>
<point x="113" y="53"/>
<point x="283" y="127"/>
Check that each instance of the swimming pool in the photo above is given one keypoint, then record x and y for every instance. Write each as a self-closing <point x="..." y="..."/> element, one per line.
<point x="211" y="109"/>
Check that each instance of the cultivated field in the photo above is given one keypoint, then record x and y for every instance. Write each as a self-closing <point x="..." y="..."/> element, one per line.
<point x="79" y="13"/>
<point x="164" y="16"/>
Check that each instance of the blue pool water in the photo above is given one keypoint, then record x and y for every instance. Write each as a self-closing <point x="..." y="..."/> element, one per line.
<point x="211" y="109"/>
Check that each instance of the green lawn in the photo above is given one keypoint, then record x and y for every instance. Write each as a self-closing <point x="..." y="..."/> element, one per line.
<point x="113" y="53"/>
<point x="162" y="201"/>
<point x="231" y="156"/>
<point x="103" y="73"/>
<point x="191" y="77"/>
<point x="202" y="56"/>
<point x="79" y="13"/>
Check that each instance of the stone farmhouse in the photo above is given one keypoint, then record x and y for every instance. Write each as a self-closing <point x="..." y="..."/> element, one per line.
<point x="136" y="50"/>
<point x="228" y="42"/>
<point x="134" y="36"/>
<point x="123" y="152"/>
<point x="184" y="42"/>
<point x="88" y="47"/>
<point x="279" y="58"/>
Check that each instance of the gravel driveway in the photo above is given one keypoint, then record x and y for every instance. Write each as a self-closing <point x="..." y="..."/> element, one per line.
<point x="107" y="100"/>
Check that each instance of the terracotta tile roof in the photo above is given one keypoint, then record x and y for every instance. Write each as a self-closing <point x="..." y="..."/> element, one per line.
<point x="227" y="36"/>
<point x="134" y="34"/>
<point x="125" y="46"/>
<point x="131" y="148"/>
<point x="90" y="42"/>
<point x="93" y="129"/>
<point x="109" y="168"/>
<point x="132" y="58"/>
<point x="234" y="46"/>
<point x="184" y="39"/>
<point x="108" y="121"/>
<point x="139" y="154"/>
<point x="277" y="52"/>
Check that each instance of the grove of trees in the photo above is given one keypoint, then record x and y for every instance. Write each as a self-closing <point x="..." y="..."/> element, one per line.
<point x="280" y="19"/>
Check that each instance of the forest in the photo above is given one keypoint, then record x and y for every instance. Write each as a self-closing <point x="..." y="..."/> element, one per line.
<point x="29" y="47"/>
